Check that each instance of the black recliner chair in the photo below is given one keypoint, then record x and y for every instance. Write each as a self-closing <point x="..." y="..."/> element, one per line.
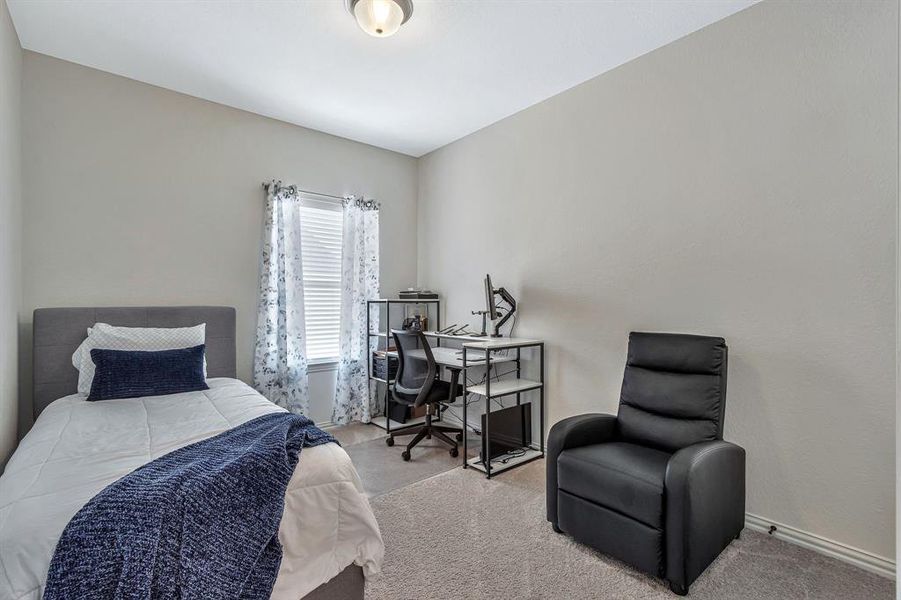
<point x="655" y="486"/>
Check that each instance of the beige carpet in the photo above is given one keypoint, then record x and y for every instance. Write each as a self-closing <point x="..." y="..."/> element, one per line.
<point x="458" y="535"/>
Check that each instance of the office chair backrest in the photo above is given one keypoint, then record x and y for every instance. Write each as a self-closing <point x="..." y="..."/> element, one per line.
<point x="414" y="375"/>
<point x="674" y="390"/>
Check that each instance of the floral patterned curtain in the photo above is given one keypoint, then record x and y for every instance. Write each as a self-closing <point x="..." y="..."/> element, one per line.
<point x="280" y="360"/>
<point x="359" y="283"/>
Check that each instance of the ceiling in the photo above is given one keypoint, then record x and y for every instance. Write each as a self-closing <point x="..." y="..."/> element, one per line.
<point x="455" y="67"/>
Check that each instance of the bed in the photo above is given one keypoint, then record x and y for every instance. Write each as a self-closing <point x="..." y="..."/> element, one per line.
<point x="329" y="536"/>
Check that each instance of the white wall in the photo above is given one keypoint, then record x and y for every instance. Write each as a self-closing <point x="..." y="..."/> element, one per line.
<point x="143" y="196"/>
<point x="898" y="339"/>
<point x="738" y="182"/>
<point x="10" y="228"/>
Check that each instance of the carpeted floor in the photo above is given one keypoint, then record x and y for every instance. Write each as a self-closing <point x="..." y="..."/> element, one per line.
<point x="451" y="533"/>
<point x="458" y="535"/>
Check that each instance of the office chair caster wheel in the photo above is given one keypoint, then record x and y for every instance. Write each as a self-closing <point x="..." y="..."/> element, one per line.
<point x="405" y="455"/>
<point x="459" y="437"/>
<point x="390" y="441"/>
<point x="454" y="452"/>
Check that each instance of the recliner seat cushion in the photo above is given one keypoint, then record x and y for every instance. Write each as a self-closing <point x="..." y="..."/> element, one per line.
<point x="624" y="477"/>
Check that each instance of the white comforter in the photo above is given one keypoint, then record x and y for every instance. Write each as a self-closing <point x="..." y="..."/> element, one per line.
<point x="76" y="448"/>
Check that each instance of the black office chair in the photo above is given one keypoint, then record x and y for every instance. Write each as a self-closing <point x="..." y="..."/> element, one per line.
<point x="655" y="486"/>
<point x="417" y="384"/>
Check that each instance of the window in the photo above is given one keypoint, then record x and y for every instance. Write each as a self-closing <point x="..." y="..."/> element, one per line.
<point x="320" y="232"/>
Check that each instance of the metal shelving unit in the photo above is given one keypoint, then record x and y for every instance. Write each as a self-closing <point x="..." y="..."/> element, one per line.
<point x="498" y="389"/>
<point x="383" y="421"/>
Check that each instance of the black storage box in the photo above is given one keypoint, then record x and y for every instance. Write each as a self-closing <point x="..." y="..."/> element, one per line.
<point x="382" y="368"/>
<point x="397" y="412"/>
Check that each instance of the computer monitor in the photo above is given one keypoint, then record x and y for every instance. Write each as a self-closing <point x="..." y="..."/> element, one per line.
<point x="490" y="306"/>
<point x="510" y="430"/>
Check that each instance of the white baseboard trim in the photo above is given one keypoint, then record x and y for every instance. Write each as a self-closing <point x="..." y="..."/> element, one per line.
<point x="855" y="556"/>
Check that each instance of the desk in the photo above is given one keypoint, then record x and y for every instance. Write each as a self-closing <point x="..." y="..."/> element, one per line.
<point x="491" y="352"/>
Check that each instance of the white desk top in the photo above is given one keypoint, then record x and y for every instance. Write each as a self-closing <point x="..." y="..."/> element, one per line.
<point x="501" y="343"/>
<point x="449" y="357"/>
<point x="476" y="342"/>
<point x="447" y="336"/>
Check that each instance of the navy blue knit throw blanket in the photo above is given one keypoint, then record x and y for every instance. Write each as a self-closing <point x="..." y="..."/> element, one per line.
<point x="199" y="522"/>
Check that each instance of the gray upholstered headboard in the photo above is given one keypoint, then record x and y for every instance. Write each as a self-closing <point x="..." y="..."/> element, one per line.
<point x="59" y="331"/>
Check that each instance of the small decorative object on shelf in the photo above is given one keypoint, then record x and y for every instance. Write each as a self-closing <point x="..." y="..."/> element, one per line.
<point x="416" y="323"/>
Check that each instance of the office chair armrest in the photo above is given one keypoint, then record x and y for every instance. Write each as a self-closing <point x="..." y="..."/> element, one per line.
<point x="705" y="507"/>
<point x="454" y="382"/>
<point x="573" y="432"/>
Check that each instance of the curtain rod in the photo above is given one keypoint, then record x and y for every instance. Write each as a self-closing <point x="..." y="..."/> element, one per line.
<point x="296" y="189"/>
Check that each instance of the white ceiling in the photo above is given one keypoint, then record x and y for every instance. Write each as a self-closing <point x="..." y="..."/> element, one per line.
<point x="455" y="67"/>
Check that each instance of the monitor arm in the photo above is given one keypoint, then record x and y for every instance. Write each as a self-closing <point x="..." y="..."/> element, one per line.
<point x="511" y="303"/>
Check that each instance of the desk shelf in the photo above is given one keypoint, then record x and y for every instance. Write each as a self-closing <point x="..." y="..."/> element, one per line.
<point x="505" y="387"/>
<point x="498" y="467"/>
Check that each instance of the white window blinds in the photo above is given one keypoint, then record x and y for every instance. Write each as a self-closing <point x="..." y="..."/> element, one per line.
<point x="320" y="233"/>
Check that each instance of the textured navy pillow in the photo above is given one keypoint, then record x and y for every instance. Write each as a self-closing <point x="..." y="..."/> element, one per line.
<point x="135" y="373"/>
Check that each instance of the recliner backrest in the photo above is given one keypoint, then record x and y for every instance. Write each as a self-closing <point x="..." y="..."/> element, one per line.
<point x="674" y="390"/>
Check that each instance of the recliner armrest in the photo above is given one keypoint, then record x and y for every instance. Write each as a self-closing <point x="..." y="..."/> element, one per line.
<point x="705" y="507"/>
<point x="572" y="432"/>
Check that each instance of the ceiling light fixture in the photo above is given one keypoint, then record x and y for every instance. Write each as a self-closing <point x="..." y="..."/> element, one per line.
<point x="380" y="18"/>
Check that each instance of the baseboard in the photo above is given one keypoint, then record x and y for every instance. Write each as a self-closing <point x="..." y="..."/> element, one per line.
<point x="849" y="554"/>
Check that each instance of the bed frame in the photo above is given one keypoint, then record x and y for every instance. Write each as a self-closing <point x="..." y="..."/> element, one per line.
<point x="59" y="331"/>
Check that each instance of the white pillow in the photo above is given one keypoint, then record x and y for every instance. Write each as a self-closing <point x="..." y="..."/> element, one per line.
<point x="109" y="337"/>
<point x="79" y="352"/>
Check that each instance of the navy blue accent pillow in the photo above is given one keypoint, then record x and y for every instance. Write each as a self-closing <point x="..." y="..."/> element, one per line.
<point x="135" y="373"/>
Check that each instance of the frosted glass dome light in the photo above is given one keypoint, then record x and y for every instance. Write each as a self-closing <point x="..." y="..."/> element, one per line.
<point x="381" y="18"/>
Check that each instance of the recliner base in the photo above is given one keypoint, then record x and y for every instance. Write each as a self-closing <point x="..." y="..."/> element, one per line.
<point x="679" y="590"/>
<point x="608" y="529"/>
<point x="612" y="533"/>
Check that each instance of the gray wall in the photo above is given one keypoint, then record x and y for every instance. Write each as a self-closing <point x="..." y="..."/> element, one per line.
<point x="739" y="182"/>
<point x="10" y="227"/>
<point x="139" y="195"/>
